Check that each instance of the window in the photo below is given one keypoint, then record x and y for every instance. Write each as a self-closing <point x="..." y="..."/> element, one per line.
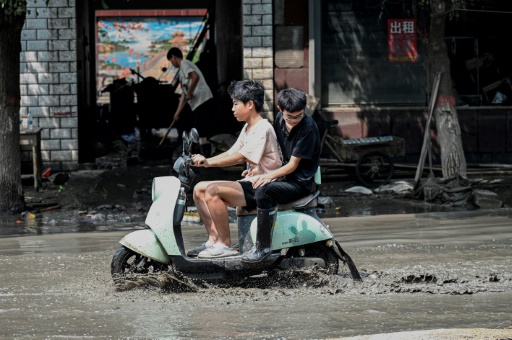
<point x="356" y="68"/>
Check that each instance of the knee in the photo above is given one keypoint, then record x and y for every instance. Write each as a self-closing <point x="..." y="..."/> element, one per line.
<point x="199" y="190"/>
<point x="211" y="192"/>
<point x="259" y="194"/>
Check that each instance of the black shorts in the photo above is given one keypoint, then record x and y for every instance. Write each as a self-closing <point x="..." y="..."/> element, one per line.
<point x="249" y="195"/>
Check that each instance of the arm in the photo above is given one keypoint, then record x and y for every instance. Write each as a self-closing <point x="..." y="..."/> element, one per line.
<point x="181" y="105"/>
<point x="221" y="160"/>
<point x="282" y="171"/>
<point x="222" y="155"/>
<point x="194" y="80"/>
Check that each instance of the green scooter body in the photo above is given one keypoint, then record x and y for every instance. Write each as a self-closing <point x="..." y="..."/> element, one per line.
<point x="293" y="229"/>
<point x="158" y="242"/>
<point x="145" y="242"/>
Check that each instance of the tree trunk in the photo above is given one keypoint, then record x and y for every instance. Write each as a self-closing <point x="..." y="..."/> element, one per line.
<point x="453" y="161"/>
<point x="11" y="190"/>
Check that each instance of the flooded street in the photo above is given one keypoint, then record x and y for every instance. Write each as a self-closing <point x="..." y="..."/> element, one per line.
<point x="421" y="272"/>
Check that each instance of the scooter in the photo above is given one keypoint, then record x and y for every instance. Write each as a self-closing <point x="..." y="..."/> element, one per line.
<point x="300" y="239"/>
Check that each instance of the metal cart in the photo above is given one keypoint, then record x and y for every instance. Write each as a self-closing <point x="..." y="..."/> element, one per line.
<point x="372" y="157"/>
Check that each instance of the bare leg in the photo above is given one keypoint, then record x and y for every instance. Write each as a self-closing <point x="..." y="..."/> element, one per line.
<point x="202" y="209"/>
<point x="218" y="196"/>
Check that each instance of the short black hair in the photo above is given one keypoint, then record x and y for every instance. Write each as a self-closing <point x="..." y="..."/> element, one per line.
<point x="174" y="51"/>
<point x="246" y="90"/>
<point x="292" y="100"/>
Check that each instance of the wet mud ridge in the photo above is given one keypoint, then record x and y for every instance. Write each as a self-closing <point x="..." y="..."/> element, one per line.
<point x="316" y="281"/>
<point x="443" y="283"/>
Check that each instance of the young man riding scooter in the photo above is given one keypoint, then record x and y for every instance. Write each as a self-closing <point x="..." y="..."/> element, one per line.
<point x="299" y="140"/>
<point x="257" y="146"/>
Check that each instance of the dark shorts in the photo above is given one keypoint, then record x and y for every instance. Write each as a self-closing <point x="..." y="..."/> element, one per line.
<point x="202" y="118"/>
<point x="249" y="195"/>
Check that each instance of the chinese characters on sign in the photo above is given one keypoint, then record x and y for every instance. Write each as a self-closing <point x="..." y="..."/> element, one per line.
<point x="402" y="40"/>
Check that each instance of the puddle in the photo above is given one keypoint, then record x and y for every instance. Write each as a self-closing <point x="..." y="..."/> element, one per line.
<point x="71" y="222"/>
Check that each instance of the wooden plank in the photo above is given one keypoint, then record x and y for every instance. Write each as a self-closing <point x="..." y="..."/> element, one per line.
<point x="426" y="139"/>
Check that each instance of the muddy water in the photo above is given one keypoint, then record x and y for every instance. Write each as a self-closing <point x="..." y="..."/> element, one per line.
<point x="427" y="271"/>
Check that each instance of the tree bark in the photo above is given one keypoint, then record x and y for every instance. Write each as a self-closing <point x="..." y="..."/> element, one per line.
<point x="453" y="161"/>
<point x="11" y="189"/>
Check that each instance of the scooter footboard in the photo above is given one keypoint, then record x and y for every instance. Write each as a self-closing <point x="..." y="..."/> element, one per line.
<point x="145" y="242"/>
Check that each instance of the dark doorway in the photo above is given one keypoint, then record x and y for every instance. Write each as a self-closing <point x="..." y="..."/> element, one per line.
<point x="140" y="105"/>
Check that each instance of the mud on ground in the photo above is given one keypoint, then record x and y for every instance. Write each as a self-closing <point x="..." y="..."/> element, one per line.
<point x="441" y="283"/>
<point x="420" y="273"/>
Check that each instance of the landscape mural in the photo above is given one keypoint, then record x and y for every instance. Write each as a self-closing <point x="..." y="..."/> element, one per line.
<point x="126" y="43"/>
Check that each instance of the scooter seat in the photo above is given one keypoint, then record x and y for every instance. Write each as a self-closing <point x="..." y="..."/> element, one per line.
<point x="309" y="201"/>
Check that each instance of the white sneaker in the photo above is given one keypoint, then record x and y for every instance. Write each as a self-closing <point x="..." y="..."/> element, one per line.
<point x="195" y="251"/>
<point x="217" y="250"/>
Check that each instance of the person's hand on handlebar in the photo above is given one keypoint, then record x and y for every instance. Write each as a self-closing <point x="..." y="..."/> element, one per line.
<point x="199" y="161"/>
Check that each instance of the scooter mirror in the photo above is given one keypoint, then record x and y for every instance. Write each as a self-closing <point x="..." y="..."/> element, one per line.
<point x="194" y="135"/>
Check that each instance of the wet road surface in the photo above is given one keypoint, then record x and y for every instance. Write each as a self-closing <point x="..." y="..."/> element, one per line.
<point x="421" y="272"/>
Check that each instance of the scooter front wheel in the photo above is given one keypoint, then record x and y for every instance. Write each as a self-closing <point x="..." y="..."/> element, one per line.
<point x="126" y="261"/>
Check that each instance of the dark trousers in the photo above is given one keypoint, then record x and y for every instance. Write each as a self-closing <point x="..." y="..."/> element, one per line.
<point x="274" y="193"/>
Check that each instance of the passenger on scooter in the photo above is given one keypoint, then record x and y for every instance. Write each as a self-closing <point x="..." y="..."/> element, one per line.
<point x="257" y="146"/>
<point x="299" y="141"/>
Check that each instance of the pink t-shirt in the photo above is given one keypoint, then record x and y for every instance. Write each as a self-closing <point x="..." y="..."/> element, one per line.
<point x="259" y="145"/>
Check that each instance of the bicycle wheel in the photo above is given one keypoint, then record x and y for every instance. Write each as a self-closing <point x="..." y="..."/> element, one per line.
<point x="374" y="168"/>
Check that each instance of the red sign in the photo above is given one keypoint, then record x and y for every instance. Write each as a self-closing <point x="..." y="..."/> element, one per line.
<point x="402" y="40"/>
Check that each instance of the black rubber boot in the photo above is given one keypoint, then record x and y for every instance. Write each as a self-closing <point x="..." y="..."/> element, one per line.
<point x="262" y="248"/>
<point x="206" y="149"/>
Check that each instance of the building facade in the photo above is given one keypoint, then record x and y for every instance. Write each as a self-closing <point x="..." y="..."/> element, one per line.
<point x="343" y="52"/>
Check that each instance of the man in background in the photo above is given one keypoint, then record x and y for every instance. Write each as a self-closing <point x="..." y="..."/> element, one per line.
<point x="197" y="94"/>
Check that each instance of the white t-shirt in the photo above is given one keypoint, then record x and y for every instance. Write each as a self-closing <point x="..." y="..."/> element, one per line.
<point x="202" y="92"/>
<point x="259" y="145"/>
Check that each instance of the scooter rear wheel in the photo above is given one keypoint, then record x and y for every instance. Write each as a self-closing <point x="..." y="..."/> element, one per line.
<point x="126" y="261"/>
<point x="319" y="250"/>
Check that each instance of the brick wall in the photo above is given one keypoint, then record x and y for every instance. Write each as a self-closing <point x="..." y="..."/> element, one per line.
<point x="257" y="43"/>
<point x="48" y="80"/>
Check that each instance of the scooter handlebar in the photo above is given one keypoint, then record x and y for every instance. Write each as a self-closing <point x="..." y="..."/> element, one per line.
<point x="183" y="164"/>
